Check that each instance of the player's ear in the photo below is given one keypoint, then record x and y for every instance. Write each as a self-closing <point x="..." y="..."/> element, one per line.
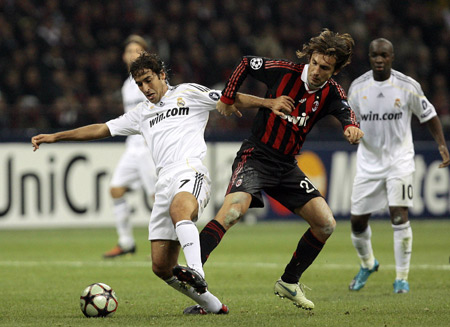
<point x="336" y="71"/>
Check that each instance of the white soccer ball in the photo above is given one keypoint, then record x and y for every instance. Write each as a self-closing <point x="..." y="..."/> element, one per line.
<point x="98" y="300"/>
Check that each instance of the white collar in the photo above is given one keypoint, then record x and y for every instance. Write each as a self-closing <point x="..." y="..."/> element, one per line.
<point x="380" y="83"/>
<point x="305" y="80"/>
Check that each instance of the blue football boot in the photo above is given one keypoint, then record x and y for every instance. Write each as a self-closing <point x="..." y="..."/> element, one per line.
<point x="401" y="286"/>
<point x="361" y="278"/>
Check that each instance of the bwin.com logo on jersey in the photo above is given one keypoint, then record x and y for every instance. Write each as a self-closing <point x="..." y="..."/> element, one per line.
<point x="256" y="63"/>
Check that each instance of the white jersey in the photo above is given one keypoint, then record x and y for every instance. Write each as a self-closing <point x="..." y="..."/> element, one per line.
<point x="384" y="110"/>
<point x="174" y="127"/>
<point x="132" y="96"/>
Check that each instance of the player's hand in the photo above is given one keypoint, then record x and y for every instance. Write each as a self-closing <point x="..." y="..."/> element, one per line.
<point x="41" y="138"/>
<point x="445" y="156"/>
<point x="280" y="106"/>
<point x="353" y="134"/>
<point x="227" y="110"/>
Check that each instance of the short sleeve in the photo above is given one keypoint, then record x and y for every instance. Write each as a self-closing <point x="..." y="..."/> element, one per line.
<point x="127" y="124"/>
<point x="421" y="107"/>
<point x="205" y="96"/>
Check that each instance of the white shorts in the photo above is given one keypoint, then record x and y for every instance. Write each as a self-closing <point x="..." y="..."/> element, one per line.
<point x="189" y="176"/>
<point x="135" y="169"/>
<point x="370" y="195"/>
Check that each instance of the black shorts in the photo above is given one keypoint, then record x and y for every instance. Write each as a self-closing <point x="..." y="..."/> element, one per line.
<point x="256" y="170"/>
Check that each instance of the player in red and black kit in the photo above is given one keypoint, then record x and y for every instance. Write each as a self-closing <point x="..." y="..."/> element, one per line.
<point x="298" y="95"/>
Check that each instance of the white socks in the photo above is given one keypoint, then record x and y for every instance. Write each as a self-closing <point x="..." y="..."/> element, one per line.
<point x="402" y="249"/>
<point x="206" y="300"/>
<point x="123" y="224"/>
<point x="363" y="246"/>
<point x="189" y="239"/>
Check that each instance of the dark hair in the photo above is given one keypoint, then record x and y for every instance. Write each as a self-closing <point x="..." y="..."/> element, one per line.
<point x="147" y="61"/>
<point x="339" y="46"/>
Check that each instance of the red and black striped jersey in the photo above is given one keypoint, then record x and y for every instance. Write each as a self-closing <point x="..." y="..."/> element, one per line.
<point x="286" y="135"/>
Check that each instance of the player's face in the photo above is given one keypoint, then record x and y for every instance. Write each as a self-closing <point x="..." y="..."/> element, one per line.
<point x="381" y="56"/>
<point x="321" y="68"/>
<point x="153" y="86"/>
<point x="132" y="51"/>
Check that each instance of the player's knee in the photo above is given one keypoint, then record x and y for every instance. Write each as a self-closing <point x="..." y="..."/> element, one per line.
<point x="358" y="224"/>
<point x="328" y="227"/>
<point x="322" y="230"/>
<point x="397" y="220"/>
<point x="233" y="215"/>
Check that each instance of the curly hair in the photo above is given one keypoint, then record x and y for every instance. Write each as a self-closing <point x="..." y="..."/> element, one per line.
<point x="339" y="46"/>
<point x="147" y="61"/>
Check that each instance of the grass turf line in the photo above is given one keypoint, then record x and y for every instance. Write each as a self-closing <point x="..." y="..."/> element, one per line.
<point x="42" y="273"/>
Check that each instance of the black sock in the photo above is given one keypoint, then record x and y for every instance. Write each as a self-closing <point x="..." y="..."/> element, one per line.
<point x="308" y="249"/>
<point x="210" y="237"/>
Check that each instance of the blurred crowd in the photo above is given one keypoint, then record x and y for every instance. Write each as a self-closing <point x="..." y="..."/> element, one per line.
<point x="61" y="61"/>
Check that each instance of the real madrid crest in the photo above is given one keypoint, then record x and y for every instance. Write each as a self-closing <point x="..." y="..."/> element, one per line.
<point x="180" y="102"/>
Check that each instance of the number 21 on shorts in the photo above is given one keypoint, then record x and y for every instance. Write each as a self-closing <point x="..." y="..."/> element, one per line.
<point x="307" y="185"/>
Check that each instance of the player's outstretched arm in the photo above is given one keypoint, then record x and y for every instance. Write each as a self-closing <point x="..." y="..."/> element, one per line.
<point x="227" y="109"/>
<point x="353" y="134"/>
<point x="85" y="133"/>
<point x="435" y="128"/>
<point x="280" y="106"/>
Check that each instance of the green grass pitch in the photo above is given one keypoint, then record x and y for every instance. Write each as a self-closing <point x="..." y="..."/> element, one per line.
<point x="42" y="273"/>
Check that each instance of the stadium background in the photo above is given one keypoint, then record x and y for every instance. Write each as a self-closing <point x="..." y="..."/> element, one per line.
<point x="61" y="67"/>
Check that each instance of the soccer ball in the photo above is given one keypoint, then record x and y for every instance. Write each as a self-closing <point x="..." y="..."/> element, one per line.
<point x="98" y="300"/>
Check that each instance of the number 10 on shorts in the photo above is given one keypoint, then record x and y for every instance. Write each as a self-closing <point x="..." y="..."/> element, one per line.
<point x="407" y="191"/>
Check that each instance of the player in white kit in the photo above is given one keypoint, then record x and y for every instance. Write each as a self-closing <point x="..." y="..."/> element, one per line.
<point x="172" y="121"/>
<point x="135" y="168"/>
<point x="384" y="101"/>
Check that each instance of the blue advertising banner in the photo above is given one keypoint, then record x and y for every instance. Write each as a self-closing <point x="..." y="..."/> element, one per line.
<point x="67" y="185"/>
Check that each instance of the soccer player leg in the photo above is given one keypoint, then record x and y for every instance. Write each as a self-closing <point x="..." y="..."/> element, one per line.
<point x="147" y="175"/>
<point x="361" y="239"/>
<point x="317" y="213"/>
<point x="367" y="196"/>
<point x="400" y="197"/>
<point x="183" y="210"/>
<point x="233" y="208"/>
<point x="296" y="192"/>
<point x="361" y="235"/>
<point x="122" y="214"/>
<point x="192" y="192"/>
<point x="243" y="190"/>
<point x="164" y="258"/>
<point x="320" y="218"/>
<point x="125" y="177"/>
